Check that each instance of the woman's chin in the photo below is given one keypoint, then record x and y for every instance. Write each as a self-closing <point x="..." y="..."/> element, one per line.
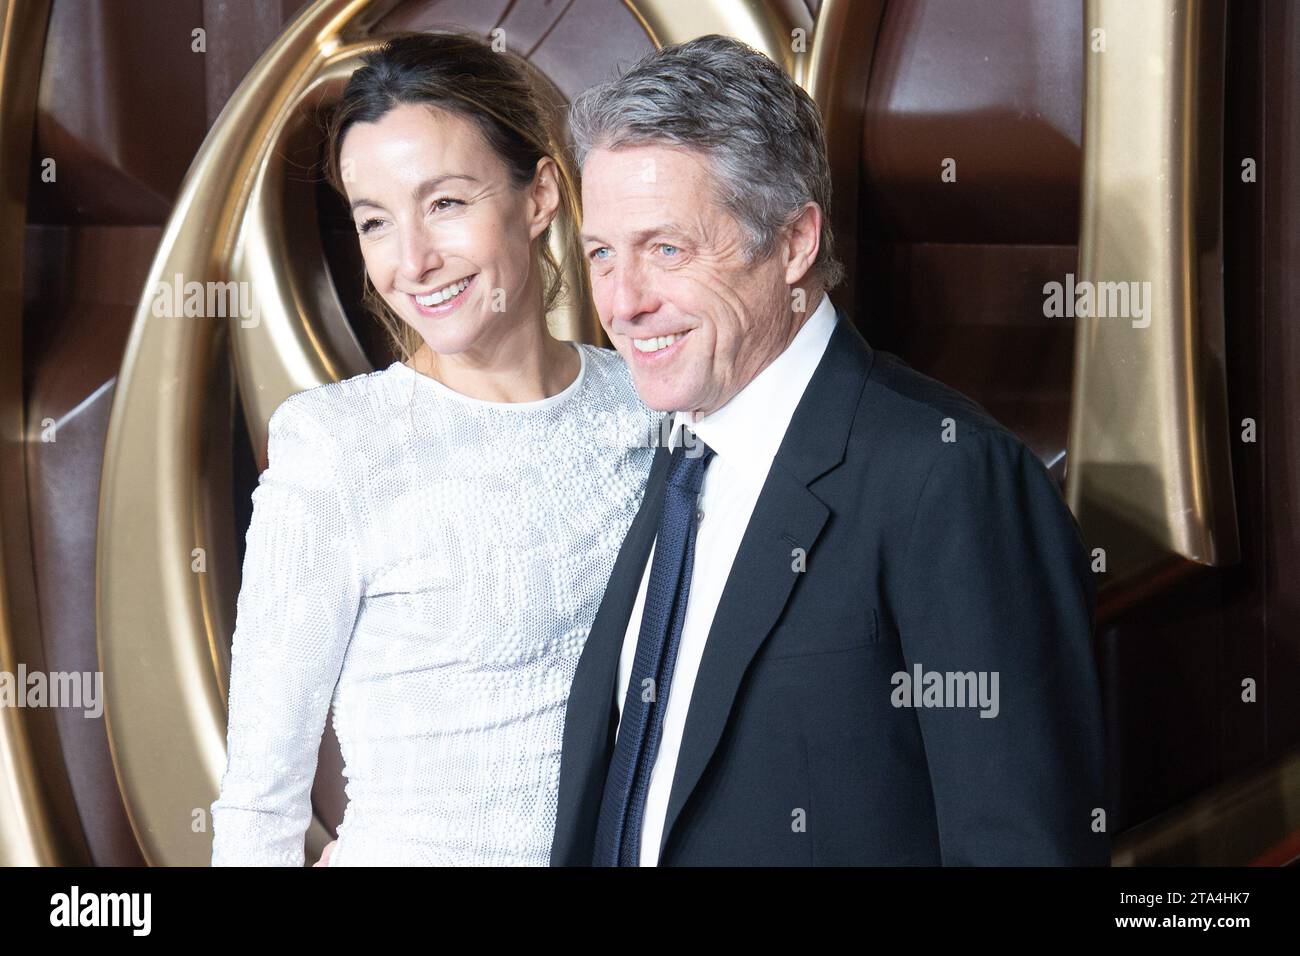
<point x="443" y="343"/>
<point x="463" y="330"/>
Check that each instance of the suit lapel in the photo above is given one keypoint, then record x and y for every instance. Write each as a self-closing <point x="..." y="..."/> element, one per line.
<point x="787" y="516"/>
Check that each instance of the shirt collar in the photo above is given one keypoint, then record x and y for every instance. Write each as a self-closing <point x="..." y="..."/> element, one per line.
<point x="751" y="426"/>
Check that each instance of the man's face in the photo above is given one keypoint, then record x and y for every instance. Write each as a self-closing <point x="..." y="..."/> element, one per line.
<point x="694" y="319"/>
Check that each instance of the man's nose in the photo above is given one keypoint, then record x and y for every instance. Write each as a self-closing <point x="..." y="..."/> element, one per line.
<point x="419" y="255"/>
<point x="631" y="295"/>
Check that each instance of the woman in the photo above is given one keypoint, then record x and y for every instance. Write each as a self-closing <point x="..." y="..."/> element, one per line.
<point x="430" y="542"/>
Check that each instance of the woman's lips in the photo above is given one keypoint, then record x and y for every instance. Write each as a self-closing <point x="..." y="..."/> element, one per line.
<point x="442" y="308"/>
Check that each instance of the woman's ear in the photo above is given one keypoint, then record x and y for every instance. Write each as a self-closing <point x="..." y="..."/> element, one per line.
<point x="544" y="196"/>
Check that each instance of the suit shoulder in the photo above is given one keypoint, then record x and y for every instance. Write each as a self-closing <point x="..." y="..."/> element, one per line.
<point x="903" y="405"/>
<point x="927" y="428"/>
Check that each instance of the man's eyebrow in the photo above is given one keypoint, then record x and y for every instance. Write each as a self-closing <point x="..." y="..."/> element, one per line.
<point x="428" y="186"/>
<point x="639" y="238"/>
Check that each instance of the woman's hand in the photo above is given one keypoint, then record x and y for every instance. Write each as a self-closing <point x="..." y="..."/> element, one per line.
<point x="325" y="854"/>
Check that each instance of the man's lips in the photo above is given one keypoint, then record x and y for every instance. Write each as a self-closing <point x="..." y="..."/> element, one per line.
<point x="655" y="343"/>
<point x="656" y="349"/>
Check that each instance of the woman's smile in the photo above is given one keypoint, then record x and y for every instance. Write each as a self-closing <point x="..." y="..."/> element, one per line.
<point x="443" y="300"/>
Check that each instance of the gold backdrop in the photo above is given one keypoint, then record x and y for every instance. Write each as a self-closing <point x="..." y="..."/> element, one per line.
<point x="164" y="603"/>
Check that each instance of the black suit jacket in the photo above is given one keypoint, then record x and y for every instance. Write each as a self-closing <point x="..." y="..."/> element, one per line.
<point x="944" y="555"/>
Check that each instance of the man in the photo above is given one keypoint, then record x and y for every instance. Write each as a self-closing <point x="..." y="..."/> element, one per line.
<point x="851" y="623"/>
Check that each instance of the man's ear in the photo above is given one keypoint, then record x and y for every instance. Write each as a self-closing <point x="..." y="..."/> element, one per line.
<point x="803" y="241"/>
<point x="544" y="196"/>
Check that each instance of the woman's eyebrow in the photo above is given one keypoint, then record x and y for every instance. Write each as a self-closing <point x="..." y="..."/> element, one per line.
<point x="428" y="186"/>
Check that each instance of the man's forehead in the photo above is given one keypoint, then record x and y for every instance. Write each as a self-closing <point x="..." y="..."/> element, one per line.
<point x="640" y="220"/>
<point x="645" y="164"/>
<point x="656" y="183"/>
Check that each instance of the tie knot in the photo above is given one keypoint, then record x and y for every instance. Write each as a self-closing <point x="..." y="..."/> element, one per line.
<point x="689" y="460"/>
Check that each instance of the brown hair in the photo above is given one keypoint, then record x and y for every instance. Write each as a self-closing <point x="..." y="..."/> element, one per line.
<point x="463" y="75"/>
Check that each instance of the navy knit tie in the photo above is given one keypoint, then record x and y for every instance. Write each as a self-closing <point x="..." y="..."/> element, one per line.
<point x="622" y="808"/>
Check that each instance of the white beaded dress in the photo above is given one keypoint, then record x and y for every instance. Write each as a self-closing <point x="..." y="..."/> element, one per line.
<point x="429" y="564"/>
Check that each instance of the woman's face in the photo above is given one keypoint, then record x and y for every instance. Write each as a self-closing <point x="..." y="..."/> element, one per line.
<point x="446" y="238"/>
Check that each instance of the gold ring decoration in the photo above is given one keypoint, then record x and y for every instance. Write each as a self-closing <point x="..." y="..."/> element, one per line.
<point x="30" y="834"/>
<point x="225" y="289"/>
<point x="837" y="79"/>
<point x="1149" y="470"/>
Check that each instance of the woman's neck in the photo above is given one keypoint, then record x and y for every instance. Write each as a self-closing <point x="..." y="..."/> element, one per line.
<point x="525" y="366"/>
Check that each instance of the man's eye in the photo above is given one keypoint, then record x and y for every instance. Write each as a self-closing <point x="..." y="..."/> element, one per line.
<point x="369" y="224"/>
<point x="668" y="249"/>
<point x="598" y="253"/>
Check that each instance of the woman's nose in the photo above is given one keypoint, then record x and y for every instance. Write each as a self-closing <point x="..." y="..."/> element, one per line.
<point x="419" y="256"/>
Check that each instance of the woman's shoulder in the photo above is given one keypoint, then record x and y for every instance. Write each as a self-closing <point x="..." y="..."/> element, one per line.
<point x="607" y="369"/>
<point x="340" y="407"/>
<point x="612" y="393"/>
<point x="334" y="426"/>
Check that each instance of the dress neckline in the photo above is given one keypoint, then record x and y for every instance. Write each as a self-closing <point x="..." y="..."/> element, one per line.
<point x="537" y="404"/>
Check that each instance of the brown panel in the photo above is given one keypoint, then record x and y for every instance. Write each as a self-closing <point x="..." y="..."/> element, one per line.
<point x="575" y="44"/>
<point x="237" y="34"/>
<point x="82" y="288"/>
<point x="1163" y="697"/>
<point x="120" y="110"/>
<point x="997" y="86"/>
<point x="972" y="316"/>
<point x="38" y="820"/>
<point x="951" y="274"/>
<point x="1280" y="179"/>
<point x="1244" y="740"/>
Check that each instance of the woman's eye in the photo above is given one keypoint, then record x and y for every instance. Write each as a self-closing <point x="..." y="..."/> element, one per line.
<point x="440" y="204"/>
<point x="369" y="224"/>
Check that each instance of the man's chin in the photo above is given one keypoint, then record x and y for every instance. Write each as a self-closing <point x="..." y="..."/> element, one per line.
<point x="659" y="388"/>
<point x="660" y="395"/>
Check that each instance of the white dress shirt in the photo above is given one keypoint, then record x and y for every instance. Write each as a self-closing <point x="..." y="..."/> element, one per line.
<point x="745" y="434"/>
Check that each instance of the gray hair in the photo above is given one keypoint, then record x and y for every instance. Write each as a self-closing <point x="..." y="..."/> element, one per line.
<point x="761" y="132"/>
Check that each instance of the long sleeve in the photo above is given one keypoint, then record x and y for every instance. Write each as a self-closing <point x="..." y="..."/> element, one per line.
<point x="998" y="582"/>
<point x="297" y="605"/>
